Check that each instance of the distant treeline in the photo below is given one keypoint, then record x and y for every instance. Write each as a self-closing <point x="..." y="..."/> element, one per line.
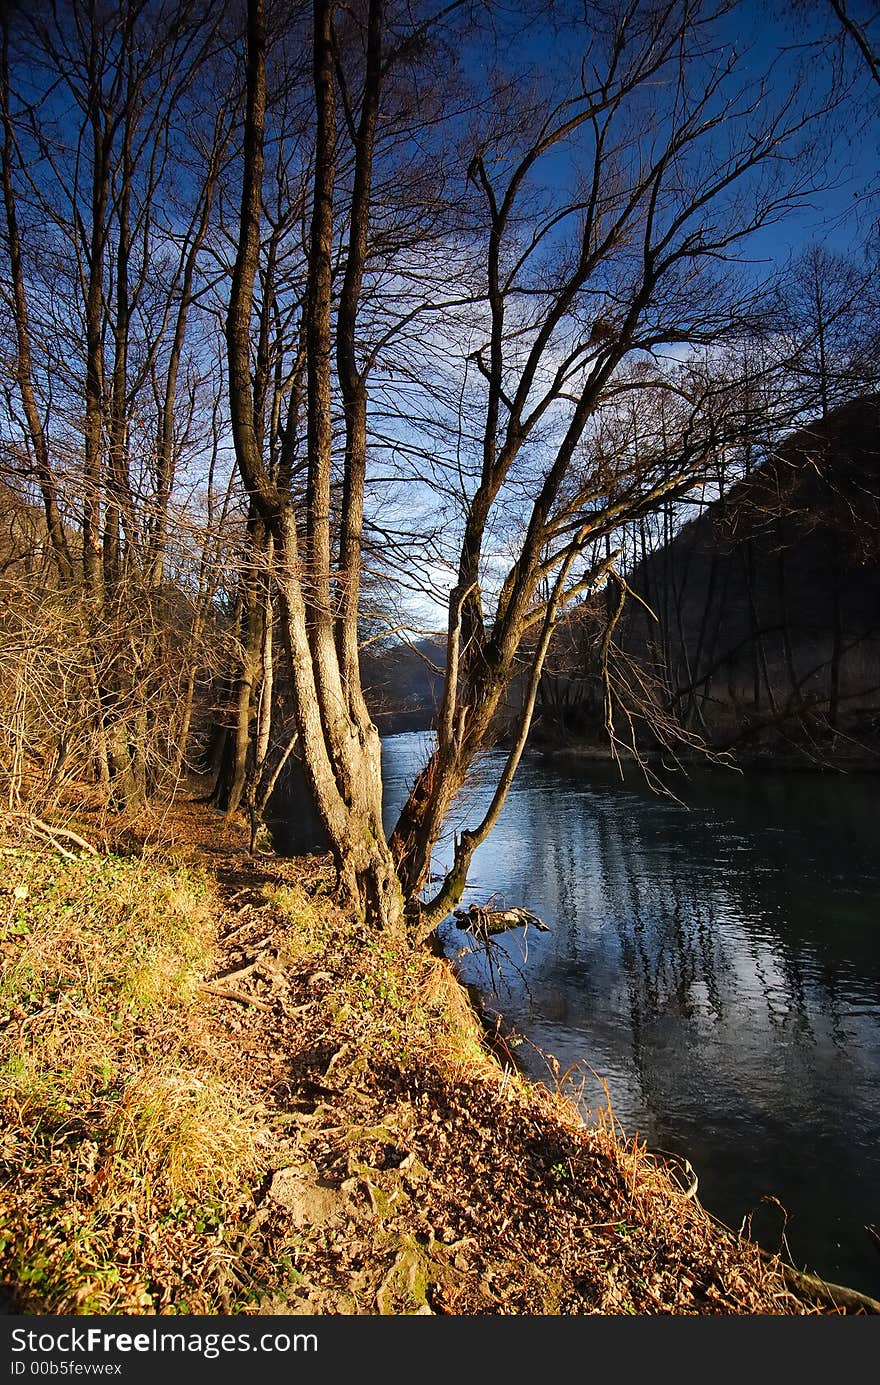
<point x="403" y="683"/>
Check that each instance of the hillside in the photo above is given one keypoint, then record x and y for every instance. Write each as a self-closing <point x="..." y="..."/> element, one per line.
<point x="403" y="683"/>
<point x="768" y="606"/>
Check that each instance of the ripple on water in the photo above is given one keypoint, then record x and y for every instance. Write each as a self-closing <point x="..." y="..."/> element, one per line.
<point x="718" y="965"/>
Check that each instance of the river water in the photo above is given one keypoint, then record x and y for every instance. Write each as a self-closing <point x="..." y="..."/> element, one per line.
<point x="717" y="964"/>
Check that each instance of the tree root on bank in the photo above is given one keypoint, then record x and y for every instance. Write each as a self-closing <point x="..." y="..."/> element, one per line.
<point x="812" y="1289"/>
<point x="227" y="993"/>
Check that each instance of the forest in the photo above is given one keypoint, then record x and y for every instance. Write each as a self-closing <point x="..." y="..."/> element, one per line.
<point x="507" y="372"/>
<point x="322" y="334"/>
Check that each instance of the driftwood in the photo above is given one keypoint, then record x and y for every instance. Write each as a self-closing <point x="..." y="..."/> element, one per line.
<point x="483" y="920"/>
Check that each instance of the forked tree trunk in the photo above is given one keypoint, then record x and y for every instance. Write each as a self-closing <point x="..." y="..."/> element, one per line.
<point x="342" y="761"/>
<point x="340" y="745"/>
<point x="318" y="542"/>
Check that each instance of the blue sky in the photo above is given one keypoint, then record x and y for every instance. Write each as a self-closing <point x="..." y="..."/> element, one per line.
<point x="795" y="41"/>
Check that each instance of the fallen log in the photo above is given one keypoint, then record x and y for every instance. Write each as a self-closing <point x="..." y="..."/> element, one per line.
<point x="483" y="920"/>
<point x="810" y="1288"/>
<point x="51" y="832"/>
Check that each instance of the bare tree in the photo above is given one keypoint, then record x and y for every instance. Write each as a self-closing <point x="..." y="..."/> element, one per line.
<point x="605" y="216"/>
<point x="858" y="23"/>
<point x="110" y="164"/>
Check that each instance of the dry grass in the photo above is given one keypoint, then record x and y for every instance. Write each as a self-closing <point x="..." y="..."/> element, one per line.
<point x="307" y="913"/>
<point x="113" y="1111"/>
<point x="334" y="1136"/>
<point x="183" y="1131"/>
<point x="450" y="1028"/>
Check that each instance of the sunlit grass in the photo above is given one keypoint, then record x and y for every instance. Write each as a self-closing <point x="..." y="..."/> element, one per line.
<point x="111" y="1108"/>
<point x="182" y="1131"/>
<point x="312" y="924"/>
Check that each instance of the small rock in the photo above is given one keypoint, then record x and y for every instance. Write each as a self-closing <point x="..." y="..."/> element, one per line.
<point x="309" y="1203"/>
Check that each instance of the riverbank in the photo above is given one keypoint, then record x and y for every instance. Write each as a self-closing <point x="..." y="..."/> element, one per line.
<point x="222" y="1096"/>
<point x="856" y="758"/>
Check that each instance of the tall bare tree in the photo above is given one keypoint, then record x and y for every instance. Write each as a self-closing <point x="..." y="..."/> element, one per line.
<point x="112" y="151"/>
<point x="606" y="214"/>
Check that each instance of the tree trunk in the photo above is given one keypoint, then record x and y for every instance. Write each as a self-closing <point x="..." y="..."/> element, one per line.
<point x="336" y="752"/>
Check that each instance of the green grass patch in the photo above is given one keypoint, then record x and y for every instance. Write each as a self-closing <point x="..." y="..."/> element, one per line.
<point x="311" y="920"/>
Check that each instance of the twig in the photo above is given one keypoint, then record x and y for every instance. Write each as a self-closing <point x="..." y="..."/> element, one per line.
<point x="226" y="993"/>
<point x="52" y="832"/>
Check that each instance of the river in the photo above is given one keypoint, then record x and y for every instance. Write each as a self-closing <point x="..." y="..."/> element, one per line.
<point x="716" y="962"/>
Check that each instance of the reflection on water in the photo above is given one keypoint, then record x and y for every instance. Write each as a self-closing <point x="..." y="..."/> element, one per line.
<point x="718" y="964"/>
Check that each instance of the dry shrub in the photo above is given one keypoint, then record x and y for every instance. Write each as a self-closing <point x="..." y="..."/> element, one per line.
<point x="456" y="1039"/>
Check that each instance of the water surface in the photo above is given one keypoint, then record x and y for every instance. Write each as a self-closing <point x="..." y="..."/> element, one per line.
<point x="718" y="964"/>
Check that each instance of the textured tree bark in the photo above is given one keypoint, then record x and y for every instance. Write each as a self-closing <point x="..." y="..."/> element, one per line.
<point x="267" y="665"/>
<point x="340" y="745"/>
<point x="24" y="363"/>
